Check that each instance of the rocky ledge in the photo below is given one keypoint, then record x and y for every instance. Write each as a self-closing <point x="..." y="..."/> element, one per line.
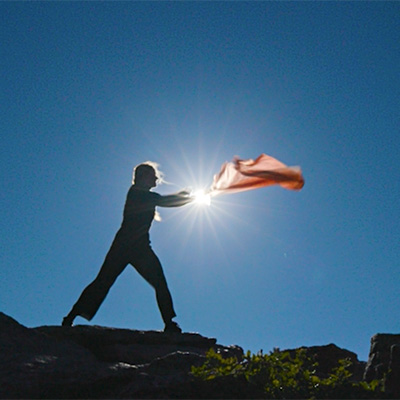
<point x="97" y="362"/>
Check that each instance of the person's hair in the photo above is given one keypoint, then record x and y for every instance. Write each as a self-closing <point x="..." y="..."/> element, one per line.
<point x="142" y="169"/>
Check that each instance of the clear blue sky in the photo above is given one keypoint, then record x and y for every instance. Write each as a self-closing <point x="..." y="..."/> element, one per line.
<point x="90" y="89"/>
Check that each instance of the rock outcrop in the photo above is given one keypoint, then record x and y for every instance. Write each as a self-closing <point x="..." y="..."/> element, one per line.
<point x="327" y="358"/>
<point x="384" y="362"/>
<point x="97" y="362"/>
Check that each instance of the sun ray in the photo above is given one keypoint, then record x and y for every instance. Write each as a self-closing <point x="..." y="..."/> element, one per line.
<point x="202" y="198"/>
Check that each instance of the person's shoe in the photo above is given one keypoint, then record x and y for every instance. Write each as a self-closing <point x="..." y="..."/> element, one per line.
<point x="67" y="321"/>
<point x="172" y="327"/>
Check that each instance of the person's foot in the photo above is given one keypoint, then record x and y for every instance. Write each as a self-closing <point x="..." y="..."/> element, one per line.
<point x="67" y="321"/>
<point x="172" y="327"/>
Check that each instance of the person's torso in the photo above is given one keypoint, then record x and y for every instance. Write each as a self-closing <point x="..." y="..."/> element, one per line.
<point x="139" y="212"/>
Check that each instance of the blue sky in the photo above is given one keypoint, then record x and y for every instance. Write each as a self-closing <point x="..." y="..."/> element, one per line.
<point x="90" y="89"/>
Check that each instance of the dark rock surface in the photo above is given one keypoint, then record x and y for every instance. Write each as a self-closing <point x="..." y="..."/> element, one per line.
<point x="134" y="347"/>
<point x="77" y="362"/>
<point x="380" y="355"/>
<point x="393" y="376"/>
<point x="384" y="362"/>
<point x="327" y="358"/>
<point x="97" y="362"/>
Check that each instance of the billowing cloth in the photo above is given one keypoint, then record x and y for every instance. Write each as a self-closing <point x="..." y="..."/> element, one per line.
<point x="241" y="175"/>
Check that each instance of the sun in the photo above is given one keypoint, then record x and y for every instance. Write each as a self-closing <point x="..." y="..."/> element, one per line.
<point x="201" y="197"/>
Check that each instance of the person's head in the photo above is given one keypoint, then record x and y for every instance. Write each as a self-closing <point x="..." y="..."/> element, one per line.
<point x="146" y="175"/>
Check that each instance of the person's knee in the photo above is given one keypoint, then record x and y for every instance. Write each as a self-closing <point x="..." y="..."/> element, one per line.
<point x="104" y="281"/>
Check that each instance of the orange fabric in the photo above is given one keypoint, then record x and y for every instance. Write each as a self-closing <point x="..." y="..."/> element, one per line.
<point x="241" y="175"/>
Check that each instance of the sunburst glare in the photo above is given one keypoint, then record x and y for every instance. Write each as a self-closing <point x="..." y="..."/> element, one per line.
<point x="202" y="198"/>
<point x="208" y="217"/>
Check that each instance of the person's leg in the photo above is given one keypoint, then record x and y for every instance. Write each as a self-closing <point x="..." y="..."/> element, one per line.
<point x="94" y="294"/>
<point x="149" y="267"/>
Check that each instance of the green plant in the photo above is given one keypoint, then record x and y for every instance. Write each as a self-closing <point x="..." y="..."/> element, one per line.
<point x="286" y="375"/>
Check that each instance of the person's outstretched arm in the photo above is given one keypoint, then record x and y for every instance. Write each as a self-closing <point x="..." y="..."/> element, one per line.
<point x="174" y="200"/>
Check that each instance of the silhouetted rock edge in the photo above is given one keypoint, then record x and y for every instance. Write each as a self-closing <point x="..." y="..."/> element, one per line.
<point x="83" y="361"/>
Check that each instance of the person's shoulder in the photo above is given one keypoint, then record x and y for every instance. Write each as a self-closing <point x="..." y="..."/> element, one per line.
<point x="143" y="194"/>
<point x="132" y="190"/>
<point x="155" y="195"/>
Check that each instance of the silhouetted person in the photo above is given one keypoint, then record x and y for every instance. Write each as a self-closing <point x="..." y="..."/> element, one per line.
<point x="131" y="245"/>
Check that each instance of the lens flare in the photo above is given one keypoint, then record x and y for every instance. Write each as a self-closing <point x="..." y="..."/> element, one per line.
<point x="202" y="198"/>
